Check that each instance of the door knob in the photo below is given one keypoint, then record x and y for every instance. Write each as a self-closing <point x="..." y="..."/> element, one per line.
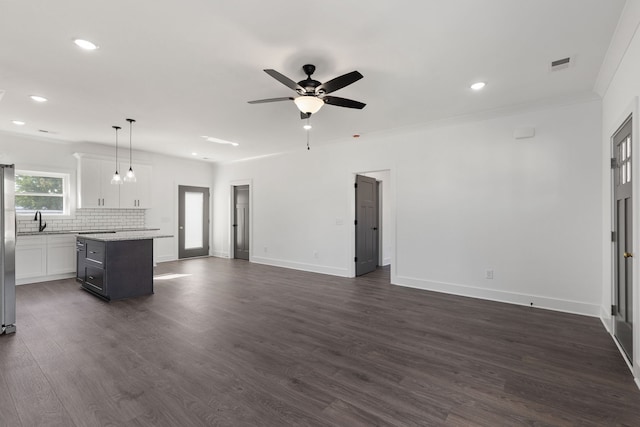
<point x="628" y="255"/>
<point x="181" y="228"/>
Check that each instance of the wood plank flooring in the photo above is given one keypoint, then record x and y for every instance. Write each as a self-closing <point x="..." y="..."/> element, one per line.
<point x="238" y="344"/>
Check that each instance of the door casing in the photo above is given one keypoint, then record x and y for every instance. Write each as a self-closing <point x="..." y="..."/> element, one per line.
<point x="633" y="109"/>
<point x="623" y="243"/>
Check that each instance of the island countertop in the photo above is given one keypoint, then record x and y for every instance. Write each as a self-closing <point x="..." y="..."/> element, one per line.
<point x="124" y="235"/>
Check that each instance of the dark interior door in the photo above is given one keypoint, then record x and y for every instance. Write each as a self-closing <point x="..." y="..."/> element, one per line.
<point x="241" y="222"/>
<point x="366" y="225"/>
<point x="193" y="221"/>
<point x="623" y="214"/>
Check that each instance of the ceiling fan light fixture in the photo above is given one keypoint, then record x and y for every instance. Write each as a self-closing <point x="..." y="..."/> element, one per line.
<point x="308" y="104"/>
<point x="478" y="85"/>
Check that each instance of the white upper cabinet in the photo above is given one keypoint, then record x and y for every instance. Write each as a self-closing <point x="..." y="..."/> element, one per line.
<point x="136" y="195"/>
<point x="96" y="191"/>
<point x="94" y="184"/>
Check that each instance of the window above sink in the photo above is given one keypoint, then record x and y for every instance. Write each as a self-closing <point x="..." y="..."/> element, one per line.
<point x="48" y="192"/>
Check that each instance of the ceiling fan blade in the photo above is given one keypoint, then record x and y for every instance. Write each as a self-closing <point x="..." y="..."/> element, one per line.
<point x="339" y="82"/>
<point x="304" y="115"/>
<point x="284" y="80"/>
<point x="262" y="101"/>
<point x="343" y="102"/>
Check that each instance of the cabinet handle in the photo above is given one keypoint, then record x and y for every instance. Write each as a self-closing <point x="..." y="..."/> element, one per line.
<point x="92" y="252"/>
<point x="91" y="277"/>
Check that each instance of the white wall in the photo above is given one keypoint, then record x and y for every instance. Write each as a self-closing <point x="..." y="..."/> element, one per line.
<point x="620" y="99"/>
<point x="466" y="198"/>
<point x="168" y="173"/>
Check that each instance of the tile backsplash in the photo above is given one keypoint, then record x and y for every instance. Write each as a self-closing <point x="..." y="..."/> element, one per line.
<point x="87" y="219"/>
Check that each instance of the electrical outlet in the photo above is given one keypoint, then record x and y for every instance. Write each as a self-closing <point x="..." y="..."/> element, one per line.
<point x="488" y="274"/>
<point x="265" y="250"/>
<point x="315" y="254"/>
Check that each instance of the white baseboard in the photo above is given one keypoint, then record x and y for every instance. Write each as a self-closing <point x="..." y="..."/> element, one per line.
<point x="606" y="319"/>
<point x="313" y="268"/>
<point x="218" y="254"/>
<point x="38" y="279"/>
<point x="386" y="261"/>
<point x="567" y="306"/>
<point x="166" y="258"/>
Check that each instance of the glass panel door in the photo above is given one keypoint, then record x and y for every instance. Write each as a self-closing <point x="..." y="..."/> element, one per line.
<point x="193" y="221"/>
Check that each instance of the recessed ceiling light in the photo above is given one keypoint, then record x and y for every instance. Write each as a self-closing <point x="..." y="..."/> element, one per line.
<point x="18" y="122"/>
<point x="221" y="141"/>
<point x="85" y="44"/>
<point x="478" y="85"/>
<point x="38" y="98"/>
<point x="306" y="127"/>
<point x="194" y="154"/>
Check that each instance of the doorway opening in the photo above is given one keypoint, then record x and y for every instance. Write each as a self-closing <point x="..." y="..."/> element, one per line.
<point x="241" y="223"/>
<point x="193" y="221"/>
<point x="373" y="227"/>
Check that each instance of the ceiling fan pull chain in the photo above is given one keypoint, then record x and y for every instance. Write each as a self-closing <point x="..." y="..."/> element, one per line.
<point x="308" y="128"/>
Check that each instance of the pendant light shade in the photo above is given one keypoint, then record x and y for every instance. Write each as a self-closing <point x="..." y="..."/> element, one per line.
<point x="130" y="175"/>
<point x="308" y="104"/>
<point x="116" y="179"/>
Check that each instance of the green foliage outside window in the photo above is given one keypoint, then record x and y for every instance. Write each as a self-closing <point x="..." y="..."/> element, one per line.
<point x="39" y="193"/>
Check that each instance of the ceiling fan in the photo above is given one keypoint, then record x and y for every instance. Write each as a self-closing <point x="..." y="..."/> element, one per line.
<point x="312" y="94"/>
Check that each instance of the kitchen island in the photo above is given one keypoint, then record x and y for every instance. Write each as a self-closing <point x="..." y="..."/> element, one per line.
<point x="115" y="266"/>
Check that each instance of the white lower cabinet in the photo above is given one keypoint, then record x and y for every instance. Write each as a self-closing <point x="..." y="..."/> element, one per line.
<point x="31" y="258"/>
<point x="61" y="254"/>
<point x="42" y="258"/>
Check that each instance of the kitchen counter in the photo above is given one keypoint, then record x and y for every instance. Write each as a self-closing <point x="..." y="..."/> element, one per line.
<point x="53" y="232"/>
<point x="124" y="235"/>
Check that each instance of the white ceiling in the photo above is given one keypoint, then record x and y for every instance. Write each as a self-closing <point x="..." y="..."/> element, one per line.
<point x="184" y="69"/>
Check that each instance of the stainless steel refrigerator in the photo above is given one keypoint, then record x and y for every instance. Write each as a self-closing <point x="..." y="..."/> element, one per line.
<point x="7" y="250"/>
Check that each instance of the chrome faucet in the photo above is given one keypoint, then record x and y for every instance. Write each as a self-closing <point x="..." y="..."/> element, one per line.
<point x="40" y="226"/>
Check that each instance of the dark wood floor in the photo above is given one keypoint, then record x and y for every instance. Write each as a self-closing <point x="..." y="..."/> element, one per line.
<point x="240" y="344"/>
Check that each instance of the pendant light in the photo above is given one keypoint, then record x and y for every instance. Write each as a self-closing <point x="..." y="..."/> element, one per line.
<point x="116" y="176"/>
<point x="130" y="176"/>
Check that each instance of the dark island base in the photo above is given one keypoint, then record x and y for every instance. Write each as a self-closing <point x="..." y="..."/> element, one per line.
<point x="114" y="270"/>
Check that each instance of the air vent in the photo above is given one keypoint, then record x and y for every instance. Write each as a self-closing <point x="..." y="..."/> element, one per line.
<point x="560" y="64"/>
